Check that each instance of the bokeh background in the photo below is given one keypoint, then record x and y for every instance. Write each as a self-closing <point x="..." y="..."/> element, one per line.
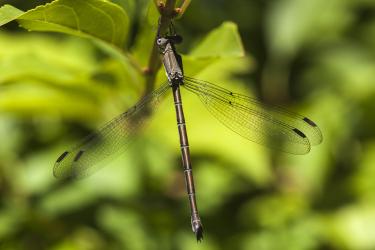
<point x="314" y="57"/>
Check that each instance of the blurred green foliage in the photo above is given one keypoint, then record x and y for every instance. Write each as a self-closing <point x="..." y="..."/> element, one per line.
<point x="316" y="57"/>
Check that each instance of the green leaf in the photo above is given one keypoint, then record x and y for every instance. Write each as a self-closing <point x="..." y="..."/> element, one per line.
<point x="145" y="37"/>
<point x="54" y="76"/>
<point x="224" y="41"/>
<point x="9" y="13"/>
<point x="128" y="5"/>
<point x="126" y="226"/>
<point x="97" y="19"/>
<point x="293" y="24"/>
<point x="222" y="45"/>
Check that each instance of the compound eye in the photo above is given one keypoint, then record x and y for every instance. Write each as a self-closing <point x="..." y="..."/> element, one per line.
<point x="159" y="41"/>
<point x="177" y="39"/>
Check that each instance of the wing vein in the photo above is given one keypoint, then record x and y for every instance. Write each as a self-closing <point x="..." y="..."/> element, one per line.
<point x="112" y="138"/>
<point x="272" y="126"/>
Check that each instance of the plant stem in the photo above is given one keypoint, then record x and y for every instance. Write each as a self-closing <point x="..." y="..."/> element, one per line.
<point x="167" y="13"/>
<point x="183" y="7"/>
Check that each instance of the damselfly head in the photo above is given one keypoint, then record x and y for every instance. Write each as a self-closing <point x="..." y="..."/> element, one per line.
<point x="175" y="39"/>
<point x="161" y="41"/>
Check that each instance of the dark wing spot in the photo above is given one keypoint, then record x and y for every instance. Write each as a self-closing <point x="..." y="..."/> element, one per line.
<point x="298" y="132"/>
<point x="230" y="102"/>
<point x="62" y="156"/>
<point x="231" y="93"/>
<point x="79" y="154"/>
<point x="308" y="121"/>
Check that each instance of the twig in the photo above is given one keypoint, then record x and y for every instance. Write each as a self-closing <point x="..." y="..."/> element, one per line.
<point x="181" y="10"/>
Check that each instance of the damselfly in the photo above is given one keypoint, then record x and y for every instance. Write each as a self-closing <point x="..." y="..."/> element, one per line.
<point x="272" y="126"/>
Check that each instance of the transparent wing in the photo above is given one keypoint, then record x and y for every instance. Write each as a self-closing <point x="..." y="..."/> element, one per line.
<point x="272" y="126"/>
<point x="112" y="138"/>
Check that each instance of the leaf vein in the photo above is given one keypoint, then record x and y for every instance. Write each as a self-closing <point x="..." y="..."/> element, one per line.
<point x="109" y="17"/>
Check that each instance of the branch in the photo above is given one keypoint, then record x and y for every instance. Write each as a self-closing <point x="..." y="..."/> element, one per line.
<point x="181" y="10"/>
<point x="168" y="12"/>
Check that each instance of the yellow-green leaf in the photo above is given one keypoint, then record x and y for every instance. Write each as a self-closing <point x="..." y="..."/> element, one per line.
<point x="223" y="41"/>
<point x="9" y="13"/>
<point x="97" y="19"/>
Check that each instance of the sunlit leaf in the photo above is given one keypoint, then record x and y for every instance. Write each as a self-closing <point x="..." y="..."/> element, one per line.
<point x="146" y="36"/>
<point x="126" y="226"/>
<point x="128" y="5"/>
<point x="9" y="13"/>
<point x="75" y="17"/>
<point x="223" y="41"/>
<point x="352" y="227"/>
<point x="292" y="24"/>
